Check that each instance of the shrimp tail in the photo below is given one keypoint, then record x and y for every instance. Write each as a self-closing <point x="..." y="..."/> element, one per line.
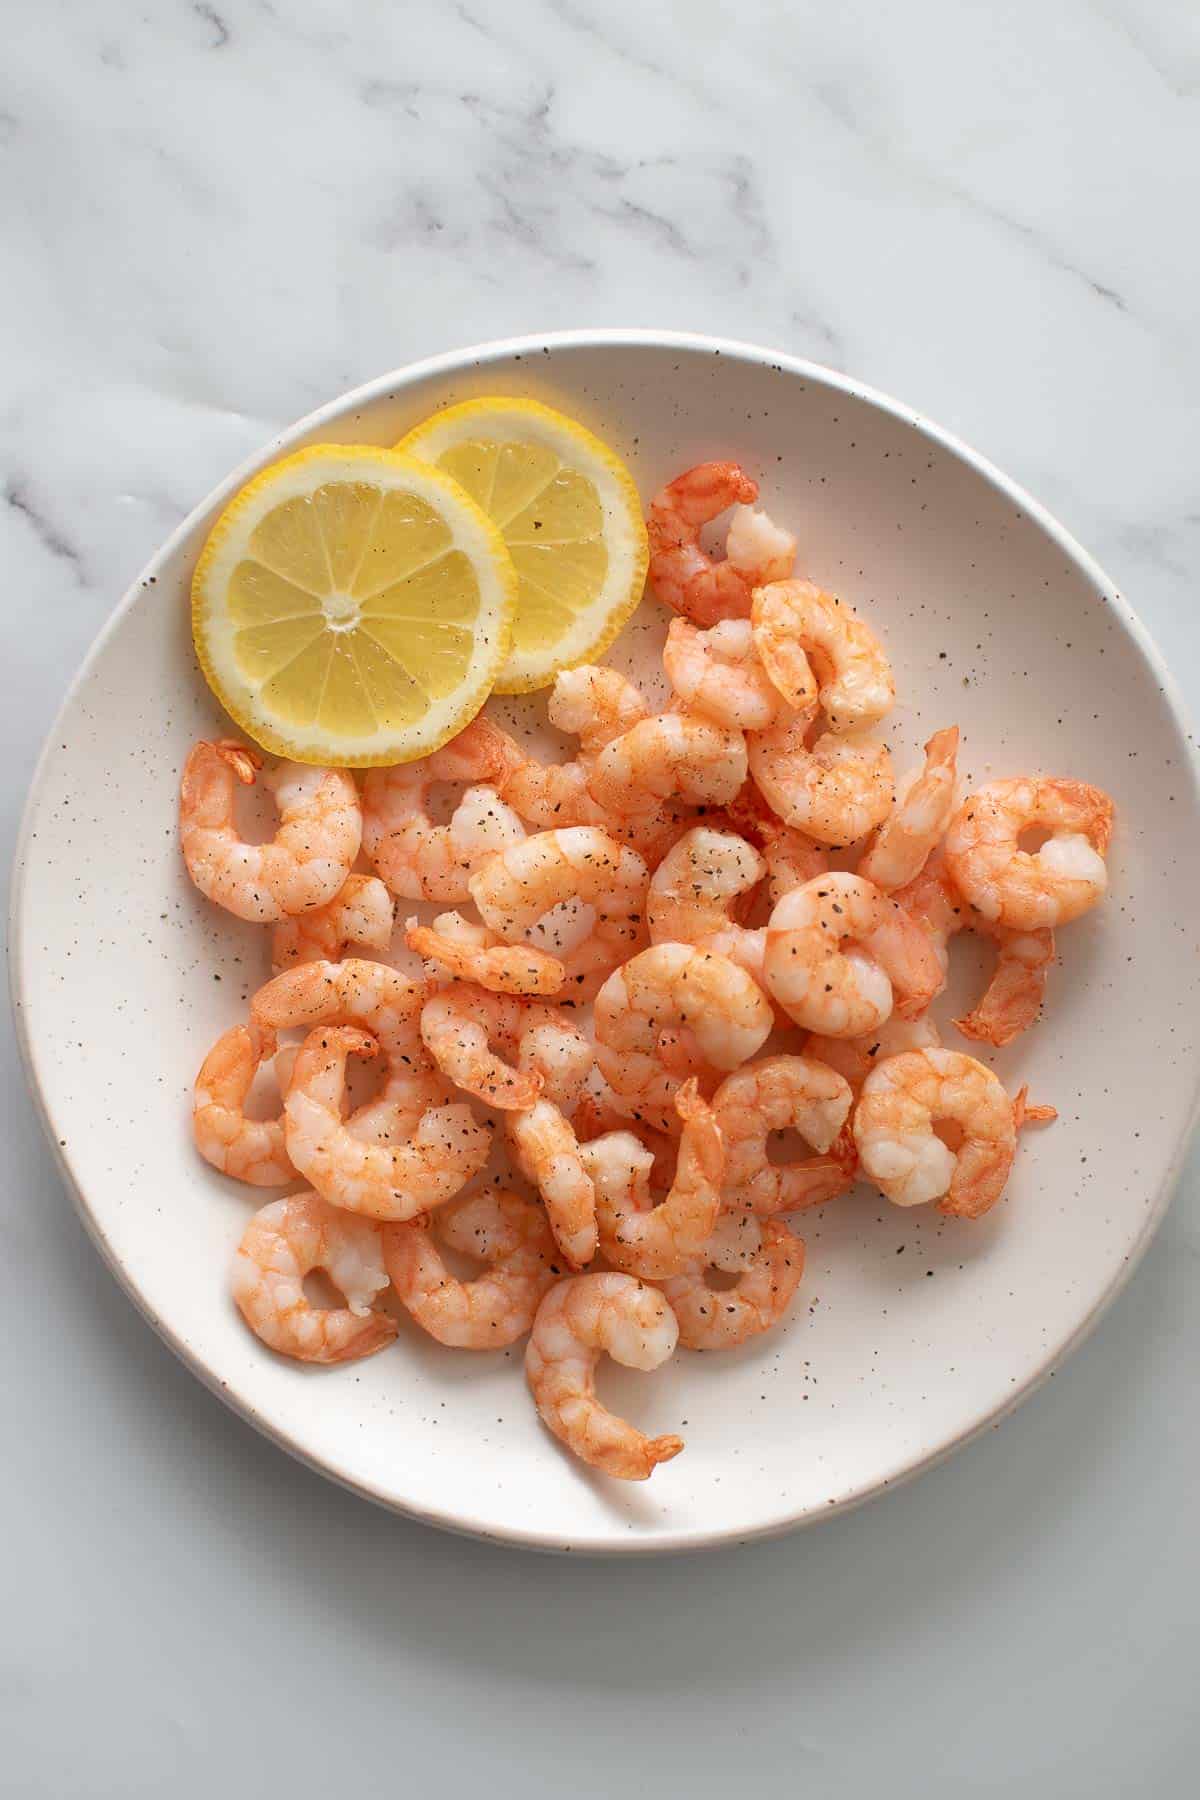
<point x="244" y="761"/>
<point x="1026" y="1113"/>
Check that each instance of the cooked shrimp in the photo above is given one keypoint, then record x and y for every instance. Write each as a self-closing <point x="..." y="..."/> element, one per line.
<point x="903" y="1098"/>
<point x="693" y="888"/>
<point x="902" y="845"/>
<point x="682" y="575"/>
<point x="790" y="857"/>
<point x="371" y="995"/>
<point x="840" y="954"/>
<point x="721" y="1320"/>
<point x="577" y="1320"/>
<point x="473" y="953"/>
<point x="281" y="1245"/>
<point x="596" y="705"/>
<point x="675" y="753"/>
<point x="505" y="1231"/>
<point x="663" y="1240"/>
<point x="855" y="1057"/>
<point x="543" y="1140"/>
<point x="360" y="913"/>
<point x="724" y="1011"/>
<point x="1027" y="889"/>
<point x="384" y="1180"/>
<point x="552" y="1044"/>
<point x="814" y="647"/>
<point x="307" y="861"/>
<point x="836" y="789"/>
<point x="418" y="859"/>
<point x="1013" y="998"/>
<point x="249" y="1149"/>
<point x="548" y="1154"/>
<point x="783" y="1093"/>
<point x="458" y="1027"/>
<point x="717" y="674"/>
<point x="581" y="864"/>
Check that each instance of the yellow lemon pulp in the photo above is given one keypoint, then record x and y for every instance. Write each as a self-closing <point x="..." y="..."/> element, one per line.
<point x="570" y="517"/>
<point x="352" y="606"/>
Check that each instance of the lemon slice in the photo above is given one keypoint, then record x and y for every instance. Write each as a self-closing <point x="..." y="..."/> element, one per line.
<point x="352" y="606"/>
<point x="571" y="518"/>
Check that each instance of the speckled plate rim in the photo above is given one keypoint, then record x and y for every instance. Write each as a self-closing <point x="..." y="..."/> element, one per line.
<point x="450" y="364"/>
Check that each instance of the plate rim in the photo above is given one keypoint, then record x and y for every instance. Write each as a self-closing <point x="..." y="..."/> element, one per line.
<point x="453" y="362"/>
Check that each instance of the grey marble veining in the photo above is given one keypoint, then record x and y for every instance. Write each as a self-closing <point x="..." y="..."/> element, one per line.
<point x="215" y="216"/>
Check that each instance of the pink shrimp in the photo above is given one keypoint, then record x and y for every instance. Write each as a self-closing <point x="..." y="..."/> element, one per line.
<point x="249" y="1149"/>
<point x="473" y="953"/>
<point x="682" y="576"/>
<point x="1016" y="992"/>
<point x="360" y="913"/>
<point x="722" y="1320"/>
<point x="282" y="1244"/>
<point x="665" y="1239"/>
<point x="578" y="1320"/>
<point x="307" y="861"/>
<point x="906" y="839"/>
<point x="509" y="1234"/>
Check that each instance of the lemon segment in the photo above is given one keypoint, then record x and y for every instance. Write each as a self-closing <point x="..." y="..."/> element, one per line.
<point x="570" y="517"/>
<point x="353" y="606"/>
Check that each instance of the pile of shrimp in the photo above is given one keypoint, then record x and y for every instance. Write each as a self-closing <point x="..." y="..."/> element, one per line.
<point x="584" y="1057"/>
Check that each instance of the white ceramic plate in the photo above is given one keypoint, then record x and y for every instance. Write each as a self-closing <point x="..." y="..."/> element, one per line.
<point x="912" y="1331"/>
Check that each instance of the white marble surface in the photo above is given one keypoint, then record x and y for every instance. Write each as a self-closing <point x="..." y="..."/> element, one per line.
<point x="216" y="216"/>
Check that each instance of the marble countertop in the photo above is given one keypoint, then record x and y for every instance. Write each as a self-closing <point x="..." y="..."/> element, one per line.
<point x="217" y="216"/>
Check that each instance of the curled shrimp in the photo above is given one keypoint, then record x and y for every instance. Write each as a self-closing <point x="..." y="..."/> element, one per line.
<point x="1028" y="889"/>
<point x="717" y="674"/>
<point x="543" y="1139"/>
<point x="784" y="1093"/>
<point x="578" y="1320"/>
<point x="503" y="1230"/>
<point x="840" y="954"/>
<point x="307" y="861"/>
<point x="663" y="1240"/>
<point x="693" y="889"/>
<point x="458" y="1027"/>
<point x="791" y="858"/>
<point x="835" y="789"/>
<point x="384" y="1180"/>
<point x="371" y="995"/>
<point x="473" y="953"/>
<point x="547" y="1152"/>
<point x="1014" y="996"/>
<point x="249" y="1149"/>
<point x="282" y="1244"/>
<point x="672" y="754"/>
<point x="903" y="844"/>
<point x="581" y="864"/>
<point x="641" y="1006"/>
<point x="596" y="705"/>
<point x="722" y="1320"/>
<point x="816" y="648"/>
<point x="686" y="579"/>
<point x="418" y="859"/>
<point x="360" y="913"/>
<point x="901" y="1101"/>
